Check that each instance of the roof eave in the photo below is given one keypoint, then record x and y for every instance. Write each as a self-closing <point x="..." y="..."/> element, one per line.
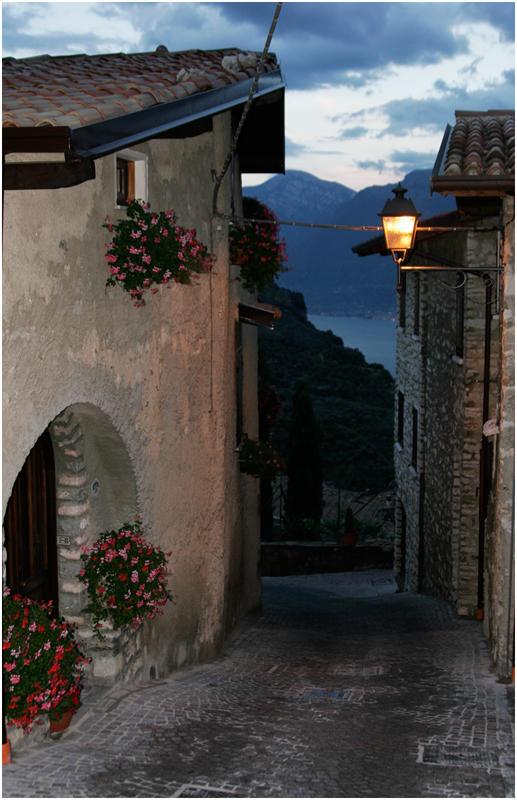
<point x="473" y="185"/>
<point x="102" y="138"/>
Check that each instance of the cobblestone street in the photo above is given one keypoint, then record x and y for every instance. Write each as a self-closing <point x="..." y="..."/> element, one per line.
<point x="341" y="687"/>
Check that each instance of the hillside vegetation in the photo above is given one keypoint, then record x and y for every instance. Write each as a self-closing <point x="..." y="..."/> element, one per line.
<point x="353" y="400"/>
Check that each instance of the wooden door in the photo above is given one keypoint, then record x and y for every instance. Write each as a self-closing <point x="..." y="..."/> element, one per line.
<point x="30" y="527"/>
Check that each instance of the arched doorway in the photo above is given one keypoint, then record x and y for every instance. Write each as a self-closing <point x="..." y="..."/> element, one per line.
<point x="30" y="527"/>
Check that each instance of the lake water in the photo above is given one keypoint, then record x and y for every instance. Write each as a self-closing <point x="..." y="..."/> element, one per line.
<point x="375" y="338"/>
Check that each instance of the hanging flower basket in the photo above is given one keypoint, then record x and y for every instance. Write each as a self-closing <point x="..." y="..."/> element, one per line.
<point x="270" y="404"/>
<point x="257" y="248"/>
<point x="42" y="665"/>
<point x="259" y="459"/>
<point x="125" y="578"/>
<point x="149" y="250"/>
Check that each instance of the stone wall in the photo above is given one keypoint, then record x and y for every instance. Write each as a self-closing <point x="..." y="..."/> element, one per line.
<point x="314" y="558"/>
<point x="140" y="402"/>
<point x="438" y="501"/>
<point x="440" y="495"/>
<point x="410" y="381"/>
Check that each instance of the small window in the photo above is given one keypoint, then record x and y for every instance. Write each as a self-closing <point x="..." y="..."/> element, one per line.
<point x="414" y="448"/>
<point x="400" y="419"/>
<point x="130" y="177"/>
<point x="460" y="313"/>
<point x="402" y="301"/>
<point x="416" y="323"/>
<point x="125" y="181"/>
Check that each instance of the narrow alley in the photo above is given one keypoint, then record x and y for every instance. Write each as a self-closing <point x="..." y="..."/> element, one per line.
<point x="341" y="687"/>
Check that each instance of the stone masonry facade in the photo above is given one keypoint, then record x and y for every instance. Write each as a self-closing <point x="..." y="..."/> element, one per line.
<point x="440" y="382"/>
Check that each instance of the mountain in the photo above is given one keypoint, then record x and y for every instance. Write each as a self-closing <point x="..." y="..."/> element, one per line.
<point x="300" y="197"/>
<point x="332" y="279"/>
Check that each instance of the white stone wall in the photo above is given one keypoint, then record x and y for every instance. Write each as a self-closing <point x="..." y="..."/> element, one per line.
<point x="140" y="402"/>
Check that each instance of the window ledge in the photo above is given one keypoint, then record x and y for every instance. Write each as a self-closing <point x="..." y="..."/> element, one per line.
<point x="398" y="447"/>
<point x="457" y="359"/>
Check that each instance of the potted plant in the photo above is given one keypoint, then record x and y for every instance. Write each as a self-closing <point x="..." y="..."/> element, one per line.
<point x="349" y="533"/>
<point x="42" y="665"/>
<point x="125" y="578"/>
<point x="259" y="459"/>
<point x="256" y="247"/>
<point x="150" y="249"/>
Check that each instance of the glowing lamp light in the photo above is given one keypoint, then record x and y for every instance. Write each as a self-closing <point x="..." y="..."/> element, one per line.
<point x="399" y="220"/>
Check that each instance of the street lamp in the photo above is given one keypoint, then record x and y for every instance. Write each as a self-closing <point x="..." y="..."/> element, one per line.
<point x="399" y="220"/>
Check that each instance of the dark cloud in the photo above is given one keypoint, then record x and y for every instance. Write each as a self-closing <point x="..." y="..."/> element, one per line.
<point x="353" y="133"/>
<point x="378" y="166"/>
<point x="18" y="17"/>
<point x="347" y="43"/>
<point x="434" y="112"/>
<point x="341" y="43"/>
<point x="409" y="160"/>
<point x="431" y="114"/>
<point x="294" y="149"/>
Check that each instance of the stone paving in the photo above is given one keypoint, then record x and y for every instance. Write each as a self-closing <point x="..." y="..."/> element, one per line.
<point x="341" y="687"/>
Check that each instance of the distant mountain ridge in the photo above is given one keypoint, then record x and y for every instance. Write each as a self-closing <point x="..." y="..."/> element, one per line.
<point x="300" y="197"/>
<point x="332" y="279"/>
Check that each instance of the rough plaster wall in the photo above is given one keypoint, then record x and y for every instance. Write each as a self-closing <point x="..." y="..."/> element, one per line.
<point x="161" y="375"/>
<point x="499" y="565"/>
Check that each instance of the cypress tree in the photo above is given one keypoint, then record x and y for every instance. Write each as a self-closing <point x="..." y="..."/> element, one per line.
<point x="304" y="498"/>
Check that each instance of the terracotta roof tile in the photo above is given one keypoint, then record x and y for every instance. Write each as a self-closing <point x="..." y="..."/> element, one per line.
<point x="481" y="144"/>
<point x="79" y="90"/>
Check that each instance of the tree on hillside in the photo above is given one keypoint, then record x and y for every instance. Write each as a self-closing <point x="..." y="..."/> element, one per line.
<point x="304" y="498"/>
<point x="270" y="408"/>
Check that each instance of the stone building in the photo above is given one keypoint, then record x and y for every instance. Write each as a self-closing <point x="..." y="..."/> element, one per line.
<point x="454" y="413"/>
<point x="111" y="411"/>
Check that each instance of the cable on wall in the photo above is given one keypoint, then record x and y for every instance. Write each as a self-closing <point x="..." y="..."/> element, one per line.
<point x="253" y="89"/>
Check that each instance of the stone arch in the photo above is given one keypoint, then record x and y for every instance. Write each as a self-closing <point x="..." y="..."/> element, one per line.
<point x="95" y="490"/>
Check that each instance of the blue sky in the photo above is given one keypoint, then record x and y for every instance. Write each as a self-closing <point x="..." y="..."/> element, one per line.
<point x="370" y="86"/>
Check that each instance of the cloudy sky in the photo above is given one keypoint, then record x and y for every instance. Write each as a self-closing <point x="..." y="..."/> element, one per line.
<point x="370" y="86"/>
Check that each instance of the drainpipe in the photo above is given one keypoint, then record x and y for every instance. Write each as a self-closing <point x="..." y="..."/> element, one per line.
<point x="485" y="455"/>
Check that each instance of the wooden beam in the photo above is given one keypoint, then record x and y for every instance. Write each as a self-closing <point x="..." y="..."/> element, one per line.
<point x="258" y="315"/>
<point x="46" y="139"/>
<point x="47" y="175"/>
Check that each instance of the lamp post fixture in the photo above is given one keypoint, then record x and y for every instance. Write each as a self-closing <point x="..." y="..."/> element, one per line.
<point x="399" y="220"/>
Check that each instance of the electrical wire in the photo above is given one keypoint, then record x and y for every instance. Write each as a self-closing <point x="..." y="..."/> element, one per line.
<point x="253" y="89"/>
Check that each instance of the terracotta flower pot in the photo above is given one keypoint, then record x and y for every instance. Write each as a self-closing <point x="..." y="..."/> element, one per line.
<point x="6" y="752"/>
<point x="58" y="726"/>
<point x="350" y="538"/>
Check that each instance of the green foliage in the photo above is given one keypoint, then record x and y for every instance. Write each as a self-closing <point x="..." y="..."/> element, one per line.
<point x="259" y="459"/>
<point x="257" y="248"/>
<point x="328" y="530"/>
<point x="349" y="521"/>
<point x="41" y="662"/>
<point x="149" y="249"/>
<point x="304" y="499"/>
<point x="353" y="401"/>
<point x="125" y="578"/>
